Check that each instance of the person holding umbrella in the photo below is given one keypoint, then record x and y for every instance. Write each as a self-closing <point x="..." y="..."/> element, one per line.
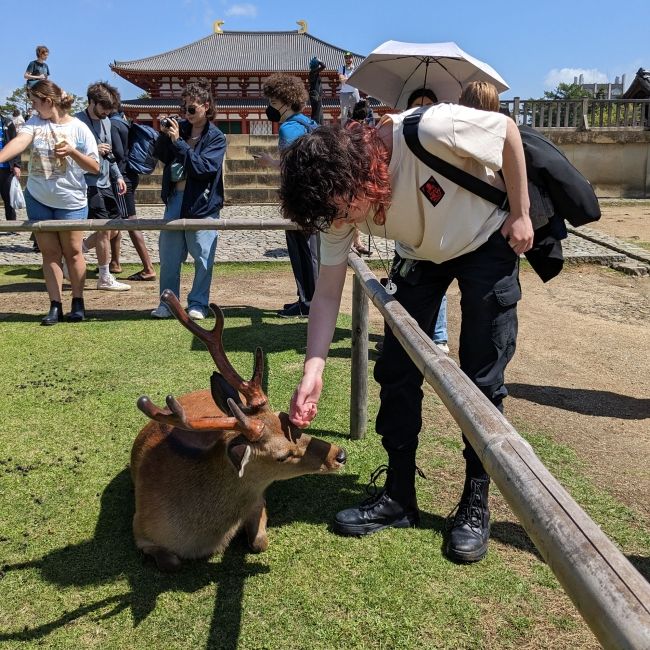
<point x="334" y="179"/>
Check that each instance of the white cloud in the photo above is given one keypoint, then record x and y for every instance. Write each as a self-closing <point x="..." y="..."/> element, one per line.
<point x="567" y="75"/>
<point x="247" y="10"/>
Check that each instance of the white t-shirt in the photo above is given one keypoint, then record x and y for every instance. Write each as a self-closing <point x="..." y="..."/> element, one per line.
<point x="54" y="182"/>
<point x="430" y="217"/>
<point x="346" y="87"/>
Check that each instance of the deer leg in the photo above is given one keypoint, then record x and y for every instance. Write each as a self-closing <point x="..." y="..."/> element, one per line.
<point x="255" y="526"/>
<point x="166" y="561"/>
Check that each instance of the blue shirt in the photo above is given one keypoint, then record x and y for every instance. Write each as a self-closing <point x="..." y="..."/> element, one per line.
<point x="4" y="165"/>
<point x="295" y="126"/>
<point x="36" y="67"/>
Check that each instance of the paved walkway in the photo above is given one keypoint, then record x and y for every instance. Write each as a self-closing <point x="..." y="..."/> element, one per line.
<point x="269" y="245"/>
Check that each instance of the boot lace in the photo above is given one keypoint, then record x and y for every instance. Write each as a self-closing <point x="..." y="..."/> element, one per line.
<point x="469" y="510"/>
<point x="372" y="489"/>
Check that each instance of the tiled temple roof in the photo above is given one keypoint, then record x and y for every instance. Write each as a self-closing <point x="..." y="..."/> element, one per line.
<point x="227" y="51"/>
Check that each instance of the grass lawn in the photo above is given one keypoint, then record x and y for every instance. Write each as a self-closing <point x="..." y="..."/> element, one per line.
<point x="72" y="578"/>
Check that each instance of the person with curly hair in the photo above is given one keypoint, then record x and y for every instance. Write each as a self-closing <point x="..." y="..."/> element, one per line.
<point x="192" y="150"/>
<point x="287" y="96"/>
<point x="334" y="179"/>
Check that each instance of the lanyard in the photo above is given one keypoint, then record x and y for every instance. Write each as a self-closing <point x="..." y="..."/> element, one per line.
<point x="98" y="136"/>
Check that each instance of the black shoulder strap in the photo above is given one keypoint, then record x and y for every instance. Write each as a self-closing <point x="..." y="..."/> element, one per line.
<point x="449" y="171"/>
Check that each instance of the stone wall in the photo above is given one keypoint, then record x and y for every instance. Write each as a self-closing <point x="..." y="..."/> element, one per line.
<point x="616" y="162"/>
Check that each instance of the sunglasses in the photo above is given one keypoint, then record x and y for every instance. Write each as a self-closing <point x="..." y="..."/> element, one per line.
<point x="187" y="109"/>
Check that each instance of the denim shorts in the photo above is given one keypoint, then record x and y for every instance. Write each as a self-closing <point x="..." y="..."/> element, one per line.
<point x="37" y="211"/>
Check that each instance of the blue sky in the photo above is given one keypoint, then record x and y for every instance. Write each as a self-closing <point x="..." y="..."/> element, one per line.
<point x="532" y="45"/>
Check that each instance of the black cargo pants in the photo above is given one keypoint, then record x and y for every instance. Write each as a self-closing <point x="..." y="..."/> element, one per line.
<point x="488" y="279"/>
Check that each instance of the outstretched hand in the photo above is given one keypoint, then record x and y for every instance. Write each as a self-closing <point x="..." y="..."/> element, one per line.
<point x="304" y="403"/>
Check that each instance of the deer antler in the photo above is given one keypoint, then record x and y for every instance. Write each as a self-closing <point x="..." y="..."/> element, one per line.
<point x="212" y="339"/>
<point x="175" y="416"/>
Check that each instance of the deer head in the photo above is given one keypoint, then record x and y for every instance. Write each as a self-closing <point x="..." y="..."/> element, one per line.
<point x="198" y="428"/>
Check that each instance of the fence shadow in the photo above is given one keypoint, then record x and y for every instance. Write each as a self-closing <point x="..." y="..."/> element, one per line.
<point x="587" y="402"/>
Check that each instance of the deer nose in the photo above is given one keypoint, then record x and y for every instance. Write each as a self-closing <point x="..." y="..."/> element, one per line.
<point x="341" y="457"/>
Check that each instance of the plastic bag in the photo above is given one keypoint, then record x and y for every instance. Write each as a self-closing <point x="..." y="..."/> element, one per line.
<point x="16" y="197"/>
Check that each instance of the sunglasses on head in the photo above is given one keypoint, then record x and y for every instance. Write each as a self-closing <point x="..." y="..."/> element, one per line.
<point x="188" y="109"/>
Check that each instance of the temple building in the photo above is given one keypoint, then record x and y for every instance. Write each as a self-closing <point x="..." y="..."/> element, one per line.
<point x="235" y="64"/>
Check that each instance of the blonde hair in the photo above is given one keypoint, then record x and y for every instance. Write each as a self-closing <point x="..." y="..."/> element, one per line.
<point x="49" y="90"/>
<point x="480" y="94"/>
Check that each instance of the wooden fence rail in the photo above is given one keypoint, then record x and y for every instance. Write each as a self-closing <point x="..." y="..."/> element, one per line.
<point x="612" y="597"/>
<point x="610" y="594"/>
<point x="148" y="224"/>
<point x="589" y="113"/>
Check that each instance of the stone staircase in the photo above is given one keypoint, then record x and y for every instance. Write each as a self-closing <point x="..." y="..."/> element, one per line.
<point x="245" y="182"/>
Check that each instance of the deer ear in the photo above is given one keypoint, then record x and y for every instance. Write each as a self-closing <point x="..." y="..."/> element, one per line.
<point x="239" y="453"/>
<point x="221" y="391"/>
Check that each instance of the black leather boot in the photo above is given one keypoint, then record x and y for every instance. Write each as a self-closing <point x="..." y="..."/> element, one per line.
<point x="77" y="312"/>
<point x="54" y="315"/>
<point x="470" y="529"/>
<point x="379" y="511"/>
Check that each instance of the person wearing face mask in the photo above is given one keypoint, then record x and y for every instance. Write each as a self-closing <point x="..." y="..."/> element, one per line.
<point x="192" y="150"/>
<point x="286" y="97"/>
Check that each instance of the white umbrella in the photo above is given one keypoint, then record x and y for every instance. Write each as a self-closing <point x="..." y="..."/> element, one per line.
<point x="394" y="70"/>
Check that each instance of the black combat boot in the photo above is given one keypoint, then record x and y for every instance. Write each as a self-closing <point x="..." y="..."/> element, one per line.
<point x="382" y="509"/>
<point x="55" y="314"/>
<point x="77" y="312"/>
<point x="470" y="528"/>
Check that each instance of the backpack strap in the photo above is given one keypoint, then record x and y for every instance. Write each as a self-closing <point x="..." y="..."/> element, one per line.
<point x="451" y="172"/>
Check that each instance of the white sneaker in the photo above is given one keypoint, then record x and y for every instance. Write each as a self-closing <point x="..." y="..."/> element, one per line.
<point x="161" y="312"/>
<point x="109" y="283"/>
<point x="195" y="314"/>
<point x="444" y="347"/>
<point x="64" y="268"/>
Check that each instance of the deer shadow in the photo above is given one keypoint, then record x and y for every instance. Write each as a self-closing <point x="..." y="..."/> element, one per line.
<point x="111" y="555"/>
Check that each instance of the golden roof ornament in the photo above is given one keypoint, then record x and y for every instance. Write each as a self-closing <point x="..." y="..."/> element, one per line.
<point x="216" y="26"/>
<point x="303" y="26"/>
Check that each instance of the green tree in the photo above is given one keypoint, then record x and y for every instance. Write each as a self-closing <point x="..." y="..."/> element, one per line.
<point x="567" y="91"/>
<point x="19" y="100"/>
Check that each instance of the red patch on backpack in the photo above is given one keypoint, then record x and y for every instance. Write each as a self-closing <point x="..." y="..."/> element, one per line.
<point x="432" y="190"/>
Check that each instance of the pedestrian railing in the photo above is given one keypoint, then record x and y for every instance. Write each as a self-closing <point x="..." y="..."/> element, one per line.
<point x="619" y="114"/>
<point x="610" y="594"/>
<point x="148" y="224"/>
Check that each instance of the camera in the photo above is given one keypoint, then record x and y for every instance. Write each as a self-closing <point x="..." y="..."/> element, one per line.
<point x="110" y="157"/>
<point x="167" y="121"/>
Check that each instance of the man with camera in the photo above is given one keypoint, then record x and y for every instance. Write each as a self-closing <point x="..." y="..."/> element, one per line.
<point x="101" y="200"/>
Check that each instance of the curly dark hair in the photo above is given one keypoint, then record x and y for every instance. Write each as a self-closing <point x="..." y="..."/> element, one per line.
<point x="200" y="92"/>
<point x="287" y="89"/>
<point x="330" y="163"/>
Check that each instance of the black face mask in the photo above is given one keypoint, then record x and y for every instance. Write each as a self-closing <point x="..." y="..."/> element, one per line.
<point x="273" y="113"/>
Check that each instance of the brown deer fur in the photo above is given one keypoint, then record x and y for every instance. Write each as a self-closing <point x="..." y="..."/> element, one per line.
<point x="200" y="471"/>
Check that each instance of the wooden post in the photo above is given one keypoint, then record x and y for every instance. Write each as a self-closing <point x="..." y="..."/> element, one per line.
<point x="610" y="594"/>
<point x="359" y="378"/>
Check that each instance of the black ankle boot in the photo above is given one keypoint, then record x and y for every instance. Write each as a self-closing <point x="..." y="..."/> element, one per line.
<point x="377" y="512"/>
<point x="470" y="529"/>
<point x="77" y="312"/>
<point x="54" y="315"/>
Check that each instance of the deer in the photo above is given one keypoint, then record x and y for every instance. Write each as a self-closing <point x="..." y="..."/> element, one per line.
<point x="202" y="465"/>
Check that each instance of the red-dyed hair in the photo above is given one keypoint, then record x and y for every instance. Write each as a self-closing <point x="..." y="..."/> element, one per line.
<point x="333" y="163"/>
